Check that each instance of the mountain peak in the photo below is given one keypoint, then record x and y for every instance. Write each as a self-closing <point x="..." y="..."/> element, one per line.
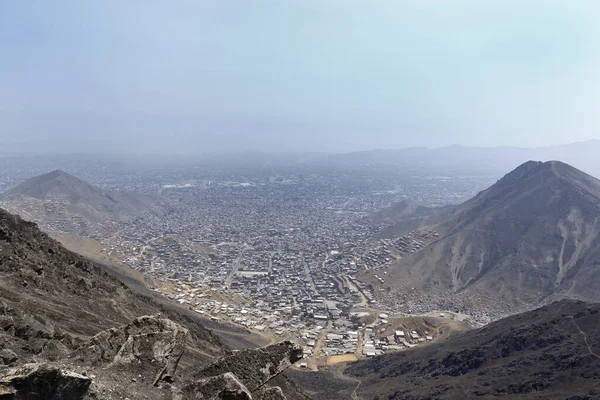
<point x="521" y="172"/>
<point x="53" y="183"/>
<point x="80" y="197"/>
<point x="541" y="172"/>
<point x="538" y="223"/>
<point x="59" y="174"/>
<point x="56" y="173"/>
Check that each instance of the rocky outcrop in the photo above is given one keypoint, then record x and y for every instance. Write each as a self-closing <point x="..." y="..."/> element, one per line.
<point x="40" y="381"/>
<point x="129" y="360"/>
<point x="270" y="393"/>
<point x="30" y="339"/>
<point x="255" y="367"/>
<point x="225" y="386"/>
<point x="156" y="343"/>
<point x="243" y="374"/>
<point x="7" y="357"/>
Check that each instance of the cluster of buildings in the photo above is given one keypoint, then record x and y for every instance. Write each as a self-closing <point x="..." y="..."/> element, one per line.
<point x="279" y="253"/>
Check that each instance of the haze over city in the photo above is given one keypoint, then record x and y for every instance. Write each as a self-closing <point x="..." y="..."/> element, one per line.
<point x="333" y="76"/>
<point x="299" y="199"/>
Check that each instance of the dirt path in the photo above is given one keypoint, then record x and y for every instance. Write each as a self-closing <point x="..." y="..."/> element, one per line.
<point x="584" y="338"/>
<point x="339" y="373"/>
<point x="354" y="395"/>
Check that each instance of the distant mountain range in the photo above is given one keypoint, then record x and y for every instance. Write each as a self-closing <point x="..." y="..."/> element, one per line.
<point x="468" y="160"/>
<point x="419" y="160"/>
<point x="532" y="237"/>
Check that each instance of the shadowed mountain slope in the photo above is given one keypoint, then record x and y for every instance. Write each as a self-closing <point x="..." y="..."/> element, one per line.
<point x="548" y="353"/>
<point x="57" y="288"/>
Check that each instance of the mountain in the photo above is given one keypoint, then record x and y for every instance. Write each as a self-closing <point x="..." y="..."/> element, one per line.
<point x="531" y="238"/>
<point x="401" y="211"/>
<point x="61" y="186"/>
<point x="69" y="330"/>
<point x="65" y="205"/>
<point x="550" y="353"/>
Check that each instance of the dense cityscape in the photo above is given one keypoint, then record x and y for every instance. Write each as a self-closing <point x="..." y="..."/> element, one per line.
<point x="280" y="253"/>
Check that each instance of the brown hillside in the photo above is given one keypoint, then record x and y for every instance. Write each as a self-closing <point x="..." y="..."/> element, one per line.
<point x="530" y="238"/>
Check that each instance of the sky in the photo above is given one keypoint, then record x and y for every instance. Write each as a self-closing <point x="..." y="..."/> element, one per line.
<point x="288" y="75"/>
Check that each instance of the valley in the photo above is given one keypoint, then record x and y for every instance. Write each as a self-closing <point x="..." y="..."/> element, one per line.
<point x="296" y="200"/>
<point x="278" y="254"/>
<point x="350" y="271"/>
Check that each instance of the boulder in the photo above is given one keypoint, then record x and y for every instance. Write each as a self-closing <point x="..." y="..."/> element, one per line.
<point x="255" y="367"/>
<point x="7" y="324"/>
<point x="7" y="356"/>
<point x="27" y="327"/>
<point x="43" y="382"/>
<point x="270" y="393"/>
<point x="4" y="307"/>
<point x="221" y="387"/>
<point x="54" y="350"/>
<point x="152" y="343"/>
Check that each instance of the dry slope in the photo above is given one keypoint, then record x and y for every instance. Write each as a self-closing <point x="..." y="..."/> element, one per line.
<point x="531" y="238"/>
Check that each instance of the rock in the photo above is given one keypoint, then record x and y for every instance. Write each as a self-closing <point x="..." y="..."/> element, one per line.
<point x="149" y="341"/>
<point x="256" y="366"/>
<point x="27" y="327"/>
<point x="270" y="393"/>
<point x="40" y="381"/>
<point x="221" y="387"/>
<point x="4" y="307"/>
<point x="54" y="350"/>
<point x="7" y="324"/>
<point x="7" y="356"/>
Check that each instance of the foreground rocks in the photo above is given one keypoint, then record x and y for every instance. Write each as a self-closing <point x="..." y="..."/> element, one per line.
<point x="255" y="367"/>
<point x="40" y="381"/>
<point x="155" y="344"/>
<point x="7" y="356"/>
<point x="243" y="374"/>
<point x="224" y="386"/>
<point x="139" y="361"/>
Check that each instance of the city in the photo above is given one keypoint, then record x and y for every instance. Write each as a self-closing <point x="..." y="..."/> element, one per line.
<point x="285" y="255"/>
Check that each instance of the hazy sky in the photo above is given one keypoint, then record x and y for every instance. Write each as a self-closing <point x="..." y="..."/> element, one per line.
<point x="200" y="75"/>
